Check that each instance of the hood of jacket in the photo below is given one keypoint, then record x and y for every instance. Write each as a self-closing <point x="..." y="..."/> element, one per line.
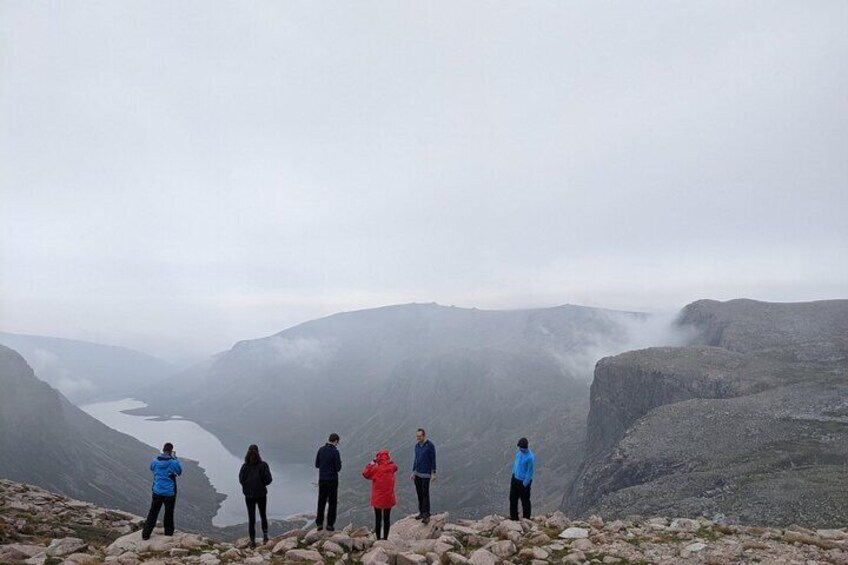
<point x="383" y="457"/>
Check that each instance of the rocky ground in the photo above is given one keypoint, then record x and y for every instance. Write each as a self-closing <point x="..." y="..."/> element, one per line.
<point x="41" y="528"/>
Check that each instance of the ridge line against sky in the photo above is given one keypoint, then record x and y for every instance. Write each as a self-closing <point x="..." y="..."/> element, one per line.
<point x="180" y="177"/>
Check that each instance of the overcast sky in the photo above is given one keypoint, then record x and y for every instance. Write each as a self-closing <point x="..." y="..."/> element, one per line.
<point x="176" y="176"/>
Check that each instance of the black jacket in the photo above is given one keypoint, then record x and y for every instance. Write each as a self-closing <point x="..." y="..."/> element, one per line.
<point x="254" y="478"/>
<point x="328" y="462"/>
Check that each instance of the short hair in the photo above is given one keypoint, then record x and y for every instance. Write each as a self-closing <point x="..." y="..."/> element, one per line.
<point x="423" y="431"/>
<point x="334" y="437"/>
<point x="168" y="448"/>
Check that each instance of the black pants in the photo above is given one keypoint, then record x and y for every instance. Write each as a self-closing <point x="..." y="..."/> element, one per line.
<point x="252" y="505"/>
<point x="422" y="489"/>
<point x="153" y="515"/>
<point x="382" y="516"/>
<point x="328" y="495"/>
<point x="517" y="491"/>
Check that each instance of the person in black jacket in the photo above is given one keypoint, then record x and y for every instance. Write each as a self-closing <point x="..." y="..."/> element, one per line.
<point x="255" y="476"/>
<point x="329" y="463"/>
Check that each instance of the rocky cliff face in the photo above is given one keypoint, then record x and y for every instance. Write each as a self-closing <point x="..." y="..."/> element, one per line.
<point x="751" y="425"/>
<point x="46" y="440"/>
<point x="41" y="528"/>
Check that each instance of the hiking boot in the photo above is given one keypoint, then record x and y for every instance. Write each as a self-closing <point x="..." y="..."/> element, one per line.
<point x="252" y="544"/>
<point x="425" y="519"/>
<point x="331" y="528"/>
<point x="420" y="516"/>
<point x="320" y="527"/>
<point x="264" y="538"/>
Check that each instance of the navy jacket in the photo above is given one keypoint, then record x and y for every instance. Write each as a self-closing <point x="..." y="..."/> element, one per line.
<point x="425" y="458"/>
<point x="328" y="462"/>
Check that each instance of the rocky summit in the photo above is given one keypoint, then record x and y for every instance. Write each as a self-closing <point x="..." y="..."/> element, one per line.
<point x="38" y="527"/>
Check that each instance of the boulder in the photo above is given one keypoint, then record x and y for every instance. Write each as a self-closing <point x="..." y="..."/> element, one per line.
<point x="157" y="543"/>
<point x="409" y="528"/>
<point x="65" y="546"/>
<point x="483" y="557"/>
<point x="574" y="533"/>
<point x="410" y="559"/>
<point x="284" y="546"/>
<point x="19" y="551"/>
<point x="376" y="556"/>
<point x="503" y="549"/>
<point x="304" y="556"/>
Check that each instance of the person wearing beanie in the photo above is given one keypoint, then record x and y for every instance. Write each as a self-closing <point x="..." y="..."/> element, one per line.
<point x="522" y="478"/>
<point x="165" y="468"/>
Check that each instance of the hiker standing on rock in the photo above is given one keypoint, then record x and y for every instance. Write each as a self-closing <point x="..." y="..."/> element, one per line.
<point x="255" y="476"/>
<point x="423" y="471"/>
<point x="165" y="468"/>
<point x="381" y="472"/>
<point x="522" y="477"/>
<point x="329" y="463"/>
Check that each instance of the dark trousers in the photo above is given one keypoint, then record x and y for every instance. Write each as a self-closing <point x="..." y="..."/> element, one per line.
<point x="328" y="495"/>
<point x="153" y="515"/>
<point x="422" y="489"/>
<point x="517" y="491"/>
<point x="382" y="516"/>
<point x="252" y="504"/>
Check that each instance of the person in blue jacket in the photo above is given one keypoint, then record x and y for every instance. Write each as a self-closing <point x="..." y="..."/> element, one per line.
<point x="522" y="478"/>
<point x="423" y="471"/>
<point x="165" y="468"/>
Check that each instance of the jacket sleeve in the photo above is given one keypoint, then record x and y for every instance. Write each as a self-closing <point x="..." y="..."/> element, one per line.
<point x="338" y="461"/>
<point x="266" y="474"/>
<point x="368" y="471"/>
<point x="318" y="459"/>
<point x="176" y="468"/>
<point x="152" y="469"/>
<point x="531" y="468"/>
<point x="242" y="474"/>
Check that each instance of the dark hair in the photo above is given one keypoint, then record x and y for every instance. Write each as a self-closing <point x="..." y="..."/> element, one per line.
<point x="423" y="432"/>
<point x="334" y="437"/>
<point x="252" y="457"/>
<point x="168" y="448"/>
<point x="523" y="443"/>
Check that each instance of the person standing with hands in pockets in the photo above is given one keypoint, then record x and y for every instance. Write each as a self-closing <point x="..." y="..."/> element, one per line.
<point x="423" y="471"/>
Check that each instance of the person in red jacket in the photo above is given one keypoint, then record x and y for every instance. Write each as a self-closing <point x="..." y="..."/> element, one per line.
<point x="381" y="472"/>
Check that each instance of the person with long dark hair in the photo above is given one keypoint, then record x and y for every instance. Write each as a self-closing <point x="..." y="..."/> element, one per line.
<point x="255" y="476"/>
<point x="381" y="472"/>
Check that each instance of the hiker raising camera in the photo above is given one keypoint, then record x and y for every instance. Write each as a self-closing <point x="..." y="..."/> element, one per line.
<point x="165" y="468"/>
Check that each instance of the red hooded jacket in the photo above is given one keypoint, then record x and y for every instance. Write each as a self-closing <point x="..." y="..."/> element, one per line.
<point x="381" y="473"/>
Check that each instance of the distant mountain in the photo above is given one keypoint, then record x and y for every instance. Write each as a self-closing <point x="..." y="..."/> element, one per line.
<point x="86" y="372"/>
<point x="751" y="421"/>
<point x="477" y="379"/>
<point x="47" y="441"/>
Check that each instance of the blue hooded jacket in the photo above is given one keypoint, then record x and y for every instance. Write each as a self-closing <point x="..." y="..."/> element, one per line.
<point x="165" y="468"/>
<point x="524" y="466"/>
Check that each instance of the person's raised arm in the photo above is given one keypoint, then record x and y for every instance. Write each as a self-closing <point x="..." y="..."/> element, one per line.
<point x="177" y="468"/>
